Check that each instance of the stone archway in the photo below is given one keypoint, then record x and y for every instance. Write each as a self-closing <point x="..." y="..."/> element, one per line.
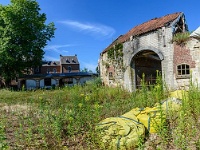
<point x="146" y="64"/>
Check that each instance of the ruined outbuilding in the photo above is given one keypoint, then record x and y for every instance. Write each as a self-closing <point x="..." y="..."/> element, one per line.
<point x="150" y="49"/>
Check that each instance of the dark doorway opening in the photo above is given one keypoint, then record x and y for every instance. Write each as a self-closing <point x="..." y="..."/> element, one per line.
<point x="47" y="82"/>
<point x="147" y="64"/>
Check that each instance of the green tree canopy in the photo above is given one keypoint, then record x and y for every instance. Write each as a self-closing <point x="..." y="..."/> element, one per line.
<point x="23" y="36"/>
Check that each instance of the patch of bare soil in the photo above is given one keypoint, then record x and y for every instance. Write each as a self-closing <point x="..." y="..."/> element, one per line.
<point x="13" y="108"/>
<point x="10" y="114"/>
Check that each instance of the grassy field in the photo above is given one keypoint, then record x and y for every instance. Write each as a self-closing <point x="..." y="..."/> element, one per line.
<point x="66" y="118"/>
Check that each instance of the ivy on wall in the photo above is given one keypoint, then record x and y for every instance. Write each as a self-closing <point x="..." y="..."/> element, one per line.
<point x="115" y="58"/>
<point x="115" y="53"/>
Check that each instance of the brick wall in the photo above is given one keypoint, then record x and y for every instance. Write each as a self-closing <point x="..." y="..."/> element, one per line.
<point x="74" y="68"/>
<point x="182" y="55"/>
<point x="160" y="41"/>
<point x="44" y="69"/>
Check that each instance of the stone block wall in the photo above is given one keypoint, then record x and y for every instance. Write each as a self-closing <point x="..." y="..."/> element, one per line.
<point x="171" y="55"/>
<point x="160" y="42"/>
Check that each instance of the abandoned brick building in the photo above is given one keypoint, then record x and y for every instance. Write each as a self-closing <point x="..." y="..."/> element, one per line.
<point x="149" y="48"/>
<point x="65" y="72"/>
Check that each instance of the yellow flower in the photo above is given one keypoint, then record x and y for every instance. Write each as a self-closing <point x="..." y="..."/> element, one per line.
<point x="87" y="98"/>
<point x="80" y="105"/>
<point x="70" y="111"/>
<point x="71" y="119"/>
<point x="97" y="106"/>
<point x="82" y="95"/>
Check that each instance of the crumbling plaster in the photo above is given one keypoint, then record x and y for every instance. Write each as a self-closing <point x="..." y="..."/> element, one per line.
<point x="159" y="42"/>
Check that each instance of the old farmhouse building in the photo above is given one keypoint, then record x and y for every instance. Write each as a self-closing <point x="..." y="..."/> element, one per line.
<point x="150" y="49"/>
<point x="56" y="73"/>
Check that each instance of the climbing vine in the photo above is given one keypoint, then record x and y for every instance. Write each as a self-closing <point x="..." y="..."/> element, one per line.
<point x="115" y="59"/>
<point x="115" y="53"/>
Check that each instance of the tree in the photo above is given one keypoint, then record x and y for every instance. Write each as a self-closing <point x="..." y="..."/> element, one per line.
<point x="86" y="70"/>
<point x="23" y="35"/>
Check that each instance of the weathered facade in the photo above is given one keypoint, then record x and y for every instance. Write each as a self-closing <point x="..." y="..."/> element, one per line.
<point x="56" y="73"/>
<point x="149" y="49"/>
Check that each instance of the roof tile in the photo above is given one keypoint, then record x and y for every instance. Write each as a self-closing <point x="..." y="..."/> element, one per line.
<point x="145" y="27"/>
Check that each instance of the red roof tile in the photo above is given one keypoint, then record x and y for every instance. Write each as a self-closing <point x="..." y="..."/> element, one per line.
<point x="148" y="26"/>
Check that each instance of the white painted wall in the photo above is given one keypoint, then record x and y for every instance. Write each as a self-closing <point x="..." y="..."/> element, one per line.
<point x="53" y="82"/>
<point x="42" y="83"/>
<point x="30" y="84"/>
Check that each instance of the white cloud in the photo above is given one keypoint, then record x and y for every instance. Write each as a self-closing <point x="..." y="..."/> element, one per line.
<point x="94" y="29"/>
<point x="57" y="48"/>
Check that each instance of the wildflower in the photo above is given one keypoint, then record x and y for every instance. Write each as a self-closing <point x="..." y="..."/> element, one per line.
<point x="70" y="111"/>
<point x="71" y="118"/>
<point x="81" y="94"/>
<point x="97" y="106"/>
<point x="87" y="98"/>
<point x="80" y="105"/>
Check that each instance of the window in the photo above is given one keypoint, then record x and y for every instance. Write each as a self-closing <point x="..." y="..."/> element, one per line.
<point x="183" y="71"/>
<point x="48" y="70"/>
<point x="110" y="75"/>
<point x="68" y="80"/>
<point x="69" y="68"/>
<point x="54" y="70"/>
<point x="37" y="69"/>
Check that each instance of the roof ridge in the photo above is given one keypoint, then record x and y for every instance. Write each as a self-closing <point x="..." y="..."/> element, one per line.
<point x="145" y="27"/>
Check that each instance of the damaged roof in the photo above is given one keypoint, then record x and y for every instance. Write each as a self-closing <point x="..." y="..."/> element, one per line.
<point x="145" y="27"/>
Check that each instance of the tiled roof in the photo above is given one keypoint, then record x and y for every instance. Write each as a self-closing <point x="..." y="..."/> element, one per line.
<point x="50" y="63"/>
<point x="148" y="26"/>
<point x="69" y="59"/>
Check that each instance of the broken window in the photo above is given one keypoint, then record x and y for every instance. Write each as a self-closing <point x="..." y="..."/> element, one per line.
<point x="183" y="71"/>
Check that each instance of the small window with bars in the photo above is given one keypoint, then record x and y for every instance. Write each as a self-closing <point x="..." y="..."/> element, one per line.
<point x="183" y="71"/>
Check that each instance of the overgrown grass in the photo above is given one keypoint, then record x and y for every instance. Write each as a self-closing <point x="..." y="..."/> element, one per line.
<point x="181" y="38"/>
<point x="66" y="118"/>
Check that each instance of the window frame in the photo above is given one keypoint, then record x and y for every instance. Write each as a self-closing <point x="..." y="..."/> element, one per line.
<point x="69" y="69"/>
<point x="54" y="70"/>
<point x="48" y="70"/>
<point x="110" y="75"/>
<point x="183" y="71"/>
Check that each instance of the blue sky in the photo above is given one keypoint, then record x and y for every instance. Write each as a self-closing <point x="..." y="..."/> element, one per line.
<point x="87" y="27"/>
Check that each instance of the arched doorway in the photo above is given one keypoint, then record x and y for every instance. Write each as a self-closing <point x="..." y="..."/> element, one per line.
<point x="147" y="63"/>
